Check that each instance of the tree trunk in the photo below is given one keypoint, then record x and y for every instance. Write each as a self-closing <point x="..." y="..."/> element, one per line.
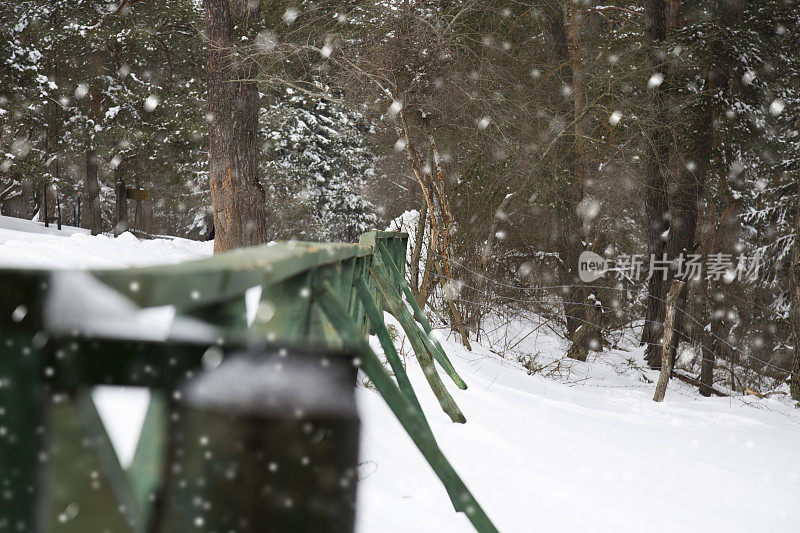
<point x="416" y="253"/>
<point x="655" y="187"/>
<point x="711" y="347"/>
<point x="707" y="368"/>
<point x="238" y="199"/>
<point x="428" y="278"/>
<point x="794" y="314"/>
<point x="587" y="335"/>
<point x="18" y="200"/>
<point x="122" y="209"/>
<point x="47" y="204"/>
<point x="668" y="353"/>
<point x="585" y="25"/>
<point x="689" y="186"/>
<point x="458" y="322"/>
<point x="93" y="208"/>
<point x="566" y="51"/>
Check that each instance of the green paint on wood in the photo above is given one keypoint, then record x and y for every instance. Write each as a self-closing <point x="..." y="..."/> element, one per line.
<point x="146" y="468"/>
<point x="419" y="341"/>
<point x="403" y="409"/>
<point x="194" y="284"/>
<point x="100" y="361"/>
<point x="23" y="409"/>
<point x="386" y="343"/>
<point x="231" y="314"/>
<point x="80" y="466"/>
<point x="81" y="494"/>
<point x="97" y="442"/>
<point x="284" y="311"/>
<point x="438" y="352"/>
<point x="22" y="400"/>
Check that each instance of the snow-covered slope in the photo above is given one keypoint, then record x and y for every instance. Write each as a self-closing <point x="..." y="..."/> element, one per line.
<point x="590" y="451"/>
<point x="587" y="451"/>
<point x="27" y="244"/>
<point x="31" y="226"/>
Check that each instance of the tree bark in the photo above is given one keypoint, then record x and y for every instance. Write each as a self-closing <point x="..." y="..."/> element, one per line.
<point x="428" y="279"/>
<point x="713" y="346"/>
<point x="689" y="186"/>
<point x="668" y="353"/>
<point x="585" y="25"/>
<point x="725" y="238"/>
<point x="94" y="206"/>
<point x="655" y="186"/>
<point x="416" y="253"/>
<point x="47" y="204"/>
<point x="122" y="209"/>
<point x="458" y="322"/>
<point x="794" y="315"/>
<point x="238" y="199"/>
<point x="93" y="210"/>
<point x="707" y="368"/>
<point x="566" y="54"/>
<point x="18" y="201"/>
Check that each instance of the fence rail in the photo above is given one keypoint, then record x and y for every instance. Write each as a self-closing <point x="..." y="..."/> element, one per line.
<point x="64" y="332"/>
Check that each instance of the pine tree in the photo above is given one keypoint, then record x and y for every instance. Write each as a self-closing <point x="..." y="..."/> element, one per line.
<point x="318" y="160"/>
<point x="110" y="91"/>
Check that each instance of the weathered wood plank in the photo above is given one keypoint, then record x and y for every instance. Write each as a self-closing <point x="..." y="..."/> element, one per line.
<point x="80" y="494"/>
<point x="194" y="284"/>
<point x="460" y="496"/>
<point x="212" y="290"/>
<point x="146" y="469"/>
<point x="83" y="362"/>
<point x="387" y="344"/>
<point x="422" y="350"/>
<point x="23" y="401"/>
<point x="386" y="270"/>
<point x="98" y="443"/>
<point x="437" y="350"/>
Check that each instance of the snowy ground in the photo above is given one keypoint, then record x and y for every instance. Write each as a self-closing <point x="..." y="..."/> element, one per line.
<point x="26" y="244"/>
<point x="587" y="451"/>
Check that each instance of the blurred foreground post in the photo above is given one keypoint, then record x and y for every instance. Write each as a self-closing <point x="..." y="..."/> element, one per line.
<point x="264" y="443"/>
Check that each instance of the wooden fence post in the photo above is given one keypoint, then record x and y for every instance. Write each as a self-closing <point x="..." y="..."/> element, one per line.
<point x="375" y="319"/>
<point x="420" y="343"/>
<point x="386" y="264"/>
<point x="269" y="442"/>
<point x="122" y="209"/>
<point x="331" y="291"/>
<point x="23" y="457"/>
<point x="413" y="422"/>
<point x="667" y="343"/>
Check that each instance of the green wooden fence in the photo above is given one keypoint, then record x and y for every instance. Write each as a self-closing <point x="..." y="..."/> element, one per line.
<point x="58" y="470"/>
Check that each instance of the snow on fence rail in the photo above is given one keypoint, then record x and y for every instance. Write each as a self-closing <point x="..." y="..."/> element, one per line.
<point x="65" y="331"/>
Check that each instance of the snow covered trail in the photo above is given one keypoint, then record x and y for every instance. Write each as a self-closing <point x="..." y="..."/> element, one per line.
<point x="588" y="452"/>
<point x="597" y="455"/>
<point x="28" y="244"/>
<point x="30" y="226"/>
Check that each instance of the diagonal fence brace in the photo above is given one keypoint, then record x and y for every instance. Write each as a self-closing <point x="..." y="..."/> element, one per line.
<point x="438" y="352"/>
<point x="376" y="320"/>
<point x="403" y="409"/>
<point x="419" y="341"/>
